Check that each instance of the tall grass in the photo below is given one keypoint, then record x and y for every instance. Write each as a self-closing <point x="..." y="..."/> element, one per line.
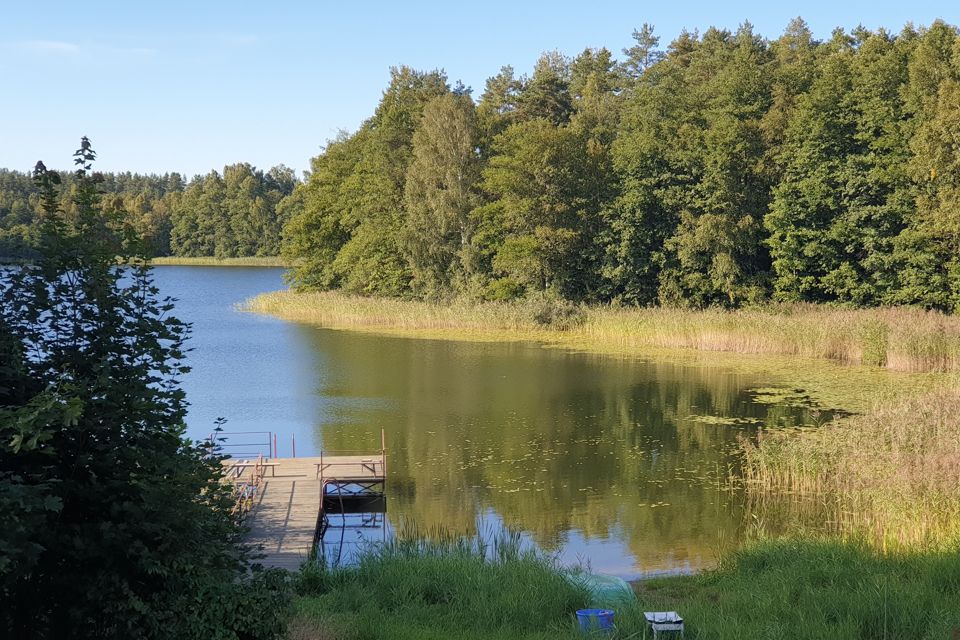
<point x="892" y="474"/>
<point x="899" y="339"/>
<point x="439" y="588"/>
<point x="785" y="589"/>
<point x="347" y="311"/>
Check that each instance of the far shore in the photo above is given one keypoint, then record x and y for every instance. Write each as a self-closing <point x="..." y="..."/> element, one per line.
<point x="184" y="261"/>
<point x="843" y="358"/>
<point x="209" y="261"/>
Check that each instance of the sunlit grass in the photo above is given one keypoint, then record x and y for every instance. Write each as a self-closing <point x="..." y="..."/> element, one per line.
<point x="348" y="311"/>
<point x="891" y="474"/>
<point x="811" y="589"/>
<point x="439" y="588"/>
<point x="897" y="339"/>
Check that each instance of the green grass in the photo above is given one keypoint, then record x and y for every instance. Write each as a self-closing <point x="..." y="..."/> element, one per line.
<point x="784" y="589"/>
<point x="249" y="261"/>
<point x="438" y="590"/>
<point x="813" y="589"/>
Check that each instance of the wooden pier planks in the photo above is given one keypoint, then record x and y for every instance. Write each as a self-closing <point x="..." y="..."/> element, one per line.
<point x="285" y="511"/>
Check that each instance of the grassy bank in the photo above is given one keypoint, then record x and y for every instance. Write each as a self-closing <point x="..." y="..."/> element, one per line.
<point x="811" y="589"/>
<point x="442" y="590"/>
<point x="250" y="261"/>
<point x="772" y="589"/>
<point x="895" y="339"/>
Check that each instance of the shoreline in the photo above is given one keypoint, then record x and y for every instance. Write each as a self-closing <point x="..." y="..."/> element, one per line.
<point x="619" y="333"/>
<point x="209" y="261"/>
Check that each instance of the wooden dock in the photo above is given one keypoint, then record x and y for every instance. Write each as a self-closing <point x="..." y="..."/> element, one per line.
<point x="283" y="511"/>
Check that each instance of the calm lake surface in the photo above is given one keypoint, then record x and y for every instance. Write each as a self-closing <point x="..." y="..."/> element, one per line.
<point x="618" y="463"/>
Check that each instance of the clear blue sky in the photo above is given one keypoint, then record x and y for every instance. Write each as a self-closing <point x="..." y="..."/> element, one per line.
<point x="192" y="85"/>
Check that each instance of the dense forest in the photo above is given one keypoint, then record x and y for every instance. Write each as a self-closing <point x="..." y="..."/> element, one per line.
<point x="722" y="169"/>
<point x="225" y="215"/>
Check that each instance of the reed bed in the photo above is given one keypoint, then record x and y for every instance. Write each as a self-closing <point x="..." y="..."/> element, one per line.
<point x="891" y="475"/>
<point x="347" y="311"/>
<point x="897" y="339"/>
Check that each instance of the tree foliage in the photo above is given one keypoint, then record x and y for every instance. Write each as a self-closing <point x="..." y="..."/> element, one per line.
<point x="439" y="193"/>
<point x="115" y="525"/>
<point x="355" y="198"/>
<point x="723" y="169"/>
<point x="230" y="215"/>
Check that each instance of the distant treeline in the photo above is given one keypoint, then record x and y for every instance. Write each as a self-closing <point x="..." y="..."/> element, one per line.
<point x="724" y="169"/>
<point x="224" y="215"/>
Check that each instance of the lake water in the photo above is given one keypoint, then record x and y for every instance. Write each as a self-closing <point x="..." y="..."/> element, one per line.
<point x="621" y="464"/>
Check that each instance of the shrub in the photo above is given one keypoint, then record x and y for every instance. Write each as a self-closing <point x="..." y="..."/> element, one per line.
<point x="115" y="526"/>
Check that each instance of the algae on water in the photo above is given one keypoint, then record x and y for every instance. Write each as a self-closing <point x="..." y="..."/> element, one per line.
<point x="784" y="397"/>
<point x="723" y="420"/>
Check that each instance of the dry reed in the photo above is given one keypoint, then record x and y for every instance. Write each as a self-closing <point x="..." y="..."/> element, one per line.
<point x="892" y="474"/>
<point x="898" y="339"/>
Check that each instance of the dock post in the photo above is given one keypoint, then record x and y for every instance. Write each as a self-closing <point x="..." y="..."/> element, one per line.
<point x="293" y="439"/>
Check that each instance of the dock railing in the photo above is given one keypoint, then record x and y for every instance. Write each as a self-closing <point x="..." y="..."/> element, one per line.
<point x="375" y="460"/>
<point x="375" y="463"/>
<point x="245" y="489"/>
<point x="252" y="444"/>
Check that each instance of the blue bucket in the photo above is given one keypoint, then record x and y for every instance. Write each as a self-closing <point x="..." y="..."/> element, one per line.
<point x="595" y="619"/>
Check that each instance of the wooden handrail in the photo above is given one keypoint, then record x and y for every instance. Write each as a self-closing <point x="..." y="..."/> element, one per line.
<point x="383" y="451"/>
<point x="244" y="492"/>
